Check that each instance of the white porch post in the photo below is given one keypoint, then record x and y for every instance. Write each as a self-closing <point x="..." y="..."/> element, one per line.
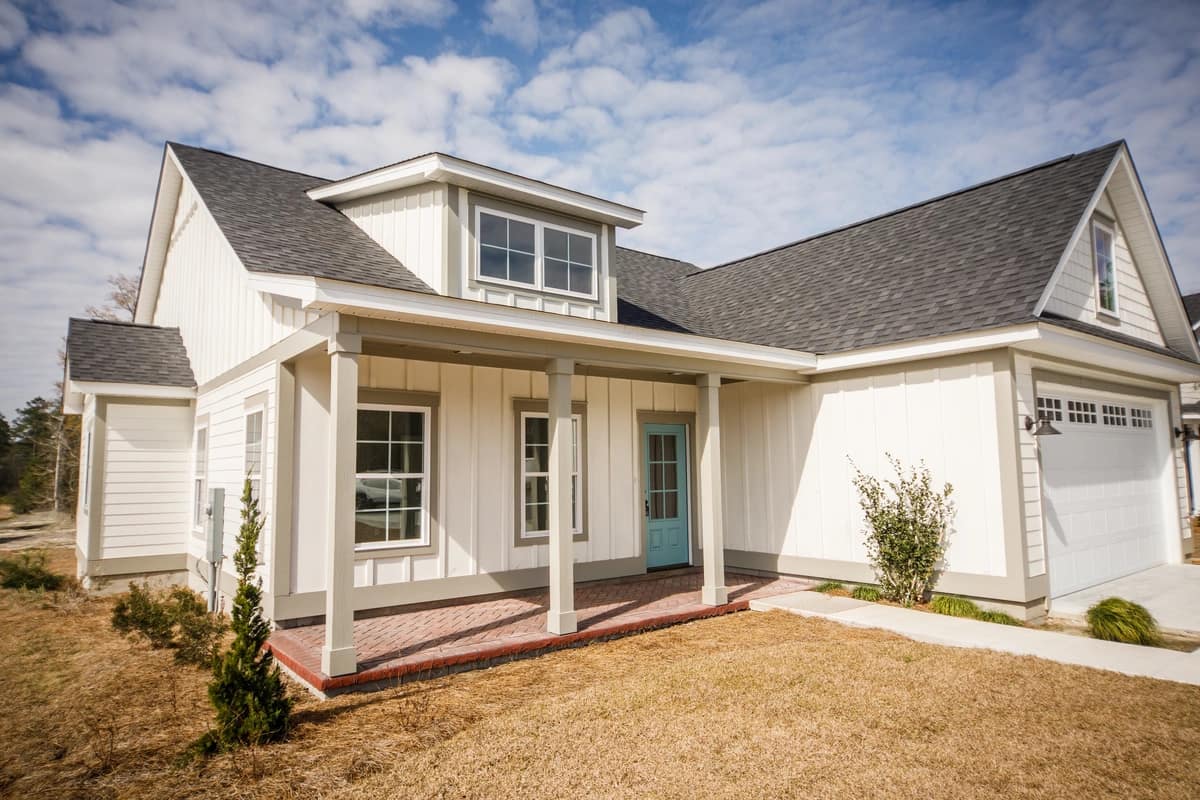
<point x="712" y="528"/>
<point x="338" y="656"/>
<point x="561" y="617"/>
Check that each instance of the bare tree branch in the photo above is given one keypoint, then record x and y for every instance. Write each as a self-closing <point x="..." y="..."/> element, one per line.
<point x="121" y="301"/>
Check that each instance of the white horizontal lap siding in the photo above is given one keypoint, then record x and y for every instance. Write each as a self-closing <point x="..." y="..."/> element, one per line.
<point x="147" y="476"/>
<point x="206" y="293"/>
<point x="409" y="224"/>
<point x="477" y="459"/>
<point x="225" y="407"/>
<point x="1074" y="295"/>
<point x="787" y="453"/>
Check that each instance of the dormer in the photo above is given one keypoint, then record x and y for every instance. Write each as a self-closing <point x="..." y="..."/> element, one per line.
<point x="472" y="231"/>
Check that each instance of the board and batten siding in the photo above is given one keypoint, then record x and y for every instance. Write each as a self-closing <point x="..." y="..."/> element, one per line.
<point x="476" y="484"/>
<point x="206" y="293"/>
<point x="409" y="224"/>
<point x="790" y="451"/>
<point x="147" y="479"/>
<point x="1074" y="295"/>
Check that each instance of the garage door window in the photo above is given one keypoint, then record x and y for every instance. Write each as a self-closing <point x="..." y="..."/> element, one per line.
<point x="1114" y="416"/>
<point x="1081" y="412"/>
<point x="1140" y="418"/>
<point x="1049" y="408"/>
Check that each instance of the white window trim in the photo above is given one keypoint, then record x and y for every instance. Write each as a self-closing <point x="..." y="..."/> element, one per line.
<point x="262" y="451"/>
<point x="426" y="460"/>
<point x="576" y="472"/>
<point x="538" y="284"/>
<point x="1115" y="313"/>
<point x="200" y="473"/>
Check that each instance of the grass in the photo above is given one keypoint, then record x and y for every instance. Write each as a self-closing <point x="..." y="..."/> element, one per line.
<point x="830" y="587"/>
<point x="869" y="593"/>
<point x="749" y="705"/>
<point x="962" y="607"/>
<point x="1116" y="619"/>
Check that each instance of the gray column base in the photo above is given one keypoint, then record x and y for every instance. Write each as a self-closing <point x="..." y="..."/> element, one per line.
<point x="561" y="622"/>
<point x="714" y="595"/>
<point x="339" y="661"/>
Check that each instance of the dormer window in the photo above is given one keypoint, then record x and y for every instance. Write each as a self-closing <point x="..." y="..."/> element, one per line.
<point x="525" y="252"/>
<point x="1106" y="270"/>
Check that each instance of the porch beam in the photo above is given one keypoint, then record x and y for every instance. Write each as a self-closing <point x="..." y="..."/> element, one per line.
<point x="561" y="617"/>
<point x="712" y="526"/>
<point x="338" y="656"/>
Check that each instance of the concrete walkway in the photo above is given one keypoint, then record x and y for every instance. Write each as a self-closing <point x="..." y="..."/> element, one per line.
<point x="1150" y="662"/>
<point x="1170" y="592"/>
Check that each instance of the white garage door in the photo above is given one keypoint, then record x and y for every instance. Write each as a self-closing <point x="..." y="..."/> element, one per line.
<point x="1106" y="486"/>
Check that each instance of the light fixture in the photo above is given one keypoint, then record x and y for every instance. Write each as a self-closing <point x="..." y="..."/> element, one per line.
<point x="1044" y="428"/>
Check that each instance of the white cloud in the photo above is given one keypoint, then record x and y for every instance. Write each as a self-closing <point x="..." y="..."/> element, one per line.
<point x="12" y="26"/>
<point x="515" y="20"/>
<point x="402" y="12"/>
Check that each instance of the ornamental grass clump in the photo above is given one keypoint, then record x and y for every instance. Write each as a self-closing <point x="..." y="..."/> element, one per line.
<point x="954" y="607"/>
<point x="829" y="586"/>
<point x="247" y="689"/>
<point x="1116" y="619"/>
<point x="908" y="524"/>
<point x="869" y="593"/>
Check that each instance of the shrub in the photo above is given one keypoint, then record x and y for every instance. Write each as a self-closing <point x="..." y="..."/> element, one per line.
<point x="868" y="593"/>
<point x="27" y="570"/>
<point x="999" y="617"/>
<point x="176" y="618"/>
<point x="907" y="527"/>
<point x="954" y="607"/>
<point x="829" y="586"/>
<point x="247" y="690"/>
<point x="1115" y="619"/>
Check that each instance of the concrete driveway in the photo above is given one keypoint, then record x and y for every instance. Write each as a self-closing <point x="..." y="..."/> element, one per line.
<point x="1171" y="592"/>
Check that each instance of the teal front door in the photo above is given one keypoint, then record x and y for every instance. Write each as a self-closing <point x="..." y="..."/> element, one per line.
<point x="666" y="502"/>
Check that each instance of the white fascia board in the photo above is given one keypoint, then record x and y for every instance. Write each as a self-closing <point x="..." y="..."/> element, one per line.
<point x="297" y="287"/>
<point x="443" y="311"/>
<point x="928" y="348"/>
<point x="162" y="220"/>
<point x="447" y="169"/>
<point x="1104" y="353"/>
<point x="144" y="390"/>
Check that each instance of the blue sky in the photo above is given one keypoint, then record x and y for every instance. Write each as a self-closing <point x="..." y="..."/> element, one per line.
<point x="737" y="125"/>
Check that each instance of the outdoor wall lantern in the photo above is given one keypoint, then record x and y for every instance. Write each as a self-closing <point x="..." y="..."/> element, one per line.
<point x="1043" y="427"/>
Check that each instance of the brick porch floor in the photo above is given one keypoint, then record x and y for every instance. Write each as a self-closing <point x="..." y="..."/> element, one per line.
<point x="428" y="639"/>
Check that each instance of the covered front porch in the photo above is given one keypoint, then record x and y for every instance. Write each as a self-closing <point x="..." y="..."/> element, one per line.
<point x="432" y="638"/>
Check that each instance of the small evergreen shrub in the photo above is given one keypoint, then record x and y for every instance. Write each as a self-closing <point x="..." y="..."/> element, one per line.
<point x="1116" y="619"/>
<point x="829" y="586"/>
<point x="954" y="607"/>
<point x="247" y="690"/>
<point x="27" y="570"/>
<point x="908" y="523"/>
<point x="176" y="618"/>
<point x="999" y="617"/>
<point x="869" y="593"/>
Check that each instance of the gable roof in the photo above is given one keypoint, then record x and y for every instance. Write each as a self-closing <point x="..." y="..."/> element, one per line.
<point x="648" y="293"/>
<point x="123" y="352"/>
<point x="275" y="228"/>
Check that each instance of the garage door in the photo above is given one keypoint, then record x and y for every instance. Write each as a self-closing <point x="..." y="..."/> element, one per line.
<point x="1106" y="486"/>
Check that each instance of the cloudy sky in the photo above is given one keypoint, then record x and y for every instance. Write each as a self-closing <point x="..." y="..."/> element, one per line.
<point x="736" y="125"/>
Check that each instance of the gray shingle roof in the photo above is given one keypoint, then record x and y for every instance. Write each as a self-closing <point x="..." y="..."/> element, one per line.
<point x="274" y="227"/>
<point x="1191" y="303"/>
<point x="122" y="352"/>
<point x="648" y="293"/>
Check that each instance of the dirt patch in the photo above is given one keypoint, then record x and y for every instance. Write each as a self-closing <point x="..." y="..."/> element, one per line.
<point x="748" y="705"/>
<point x="37" y="530"/>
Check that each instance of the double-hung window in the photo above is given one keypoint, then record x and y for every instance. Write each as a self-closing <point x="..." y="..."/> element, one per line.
<point x="526" y="252"/>
<point x="253" y="453"/>
<point x="391" y="487"/>
<point x="535" y="474"/>
<point x="1106" y="268"/>
<point x="200" y="477"/>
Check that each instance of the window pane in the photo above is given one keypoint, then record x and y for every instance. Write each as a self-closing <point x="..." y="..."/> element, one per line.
<point x="254" y="427"/>
<point x="493" y="262"/>
<point x="520" y="236"/>
<point x="407" y="458"/>
<point x="372" y="458"/>
<point x="404" y="525"/>
<point x="537" y="518"/>
<point x="669" y="449"/>
<point x="370" y="493"/>
<point x="655" y="447"/>
<point x="537" y="430"/>
<point x="407" y="426"/>
<point x="581" y="279"/>
<point x="575" y="501"/>
<point x="520" y="267"/>
<point x="670" y="476"/>
<point x="537" y="458"/>
<point x="537" y="490"/>
<point x="493" y="230"/>
<point x="253" y="459"/>
<point x="556" y="275"/>
<point x="556" y="244"/>
<point x="581" y="249"/>
<point x="373" y="425"/>
<point x="404" y="493"/>
<point x="656" y="477"/>
<point x="656" y="505"/>
<point x="370" y="526"/>
<point x="670" y="505"/>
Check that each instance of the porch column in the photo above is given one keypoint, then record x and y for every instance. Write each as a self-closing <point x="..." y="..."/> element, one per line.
<point x="712" y="528"/>
<point x="338" y="656"/>
<point x="561" y="618"/>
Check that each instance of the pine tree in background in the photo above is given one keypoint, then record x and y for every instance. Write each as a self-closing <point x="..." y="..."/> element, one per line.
<point x="35" y="432"/>
<point x="247" y="690"/>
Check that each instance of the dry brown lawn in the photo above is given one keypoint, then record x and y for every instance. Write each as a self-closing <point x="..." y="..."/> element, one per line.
<point x="748" y="705"/>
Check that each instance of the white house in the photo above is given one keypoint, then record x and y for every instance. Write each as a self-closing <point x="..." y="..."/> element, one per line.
<point x="447" y="380"/>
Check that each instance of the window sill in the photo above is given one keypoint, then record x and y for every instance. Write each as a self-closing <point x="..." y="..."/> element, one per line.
<point x="1108" y="316"/>
<point x="544" y="538"/>
<point x="393" y="550"/>
<point x="484" y="280"/>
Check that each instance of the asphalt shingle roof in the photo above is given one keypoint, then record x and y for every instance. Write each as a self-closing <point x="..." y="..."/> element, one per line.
<point x="648" y="293"/>
<point x="1191" y="304"/>
<point x="274" y="227"/>
<point x="122" y="352"/>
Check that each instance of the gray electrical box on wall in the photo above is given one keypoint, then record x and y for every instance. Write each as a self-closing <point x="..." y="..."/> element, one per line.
<point x="216" y="526"/>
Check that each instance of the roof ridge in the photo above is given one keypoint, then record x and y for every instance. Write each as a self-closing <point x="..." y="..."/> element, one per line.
<point x="656" y="255"/>
<point x="249" y="161"/>
<point x="126" y="323"/>
<point x="912" y="206"/>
